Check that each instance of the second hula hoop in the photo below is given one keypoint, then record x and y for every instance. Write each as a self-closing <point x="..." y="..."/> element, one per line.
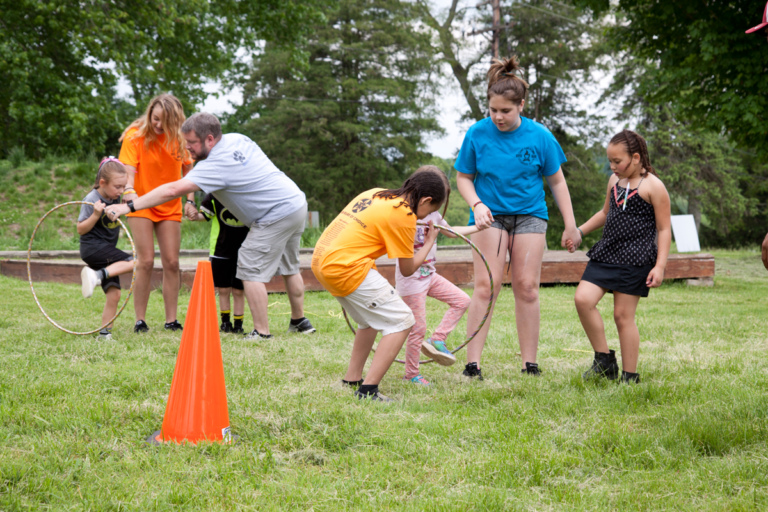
<point x="487" y="311"/>
<point x="29" y="270"/>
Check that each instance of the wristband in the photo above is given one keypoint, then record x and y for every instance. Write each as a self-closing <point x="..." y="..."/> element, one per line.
<point x="475" y="205"/>
<point x="580" y="231"/>
<point x="130" y="205"/>
<point x="129" y="191"/>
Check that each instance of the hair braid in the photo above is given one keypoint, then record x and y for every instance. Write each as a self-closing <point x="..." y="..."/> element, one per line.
<point x="635" y="143"/>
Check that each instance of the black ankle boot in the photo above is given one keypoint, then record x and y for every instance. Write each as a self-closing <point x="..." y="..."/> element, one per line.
<point x="630" y="377"/>
<point x="604" y="365"/>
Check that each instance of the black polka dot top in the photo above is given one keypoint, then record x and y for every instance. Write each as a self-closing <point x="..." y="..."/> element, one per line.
<point x="629" y="235"/>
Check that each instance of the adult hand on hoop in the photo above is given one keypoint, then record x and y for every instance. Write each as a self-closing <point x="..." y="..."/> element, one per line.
<point x="483" y="216"/>
<point x="116" y="210"/>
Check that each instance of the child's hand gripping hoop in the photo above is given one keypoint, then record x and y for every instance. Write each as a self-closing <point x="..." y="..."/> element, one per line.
<point x="487" y="311"/>
<point x="29" y="270"/>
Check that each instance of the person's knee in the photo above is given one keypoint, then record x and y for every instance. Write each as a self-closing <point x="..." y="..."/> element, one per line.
<point x="238" y="293"/>
<point x="527" y="291"/>
<point x="483" y="290"/>
<point x="623" y="318"/>
<point x="171" y="265"/>
<point x="145" y="264"/>
<point x="583" y="301"/>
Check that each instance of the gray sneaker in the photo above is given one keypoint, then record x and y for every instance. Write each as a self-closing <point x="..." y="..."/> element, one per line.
<point x="437" y="351"/>
<point x="303" y="327"/>
<point x="104" y="335"/>
<point x="256" y="335"/>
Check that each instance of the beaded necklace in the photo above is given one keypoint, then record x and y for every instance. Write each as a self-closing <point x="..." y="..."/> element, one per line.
<point x="625" y="193"/>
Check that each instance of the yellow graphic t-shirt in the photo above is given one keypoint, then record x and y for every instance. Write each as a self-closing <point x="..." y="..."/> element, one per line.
<point x="365" y="230"/>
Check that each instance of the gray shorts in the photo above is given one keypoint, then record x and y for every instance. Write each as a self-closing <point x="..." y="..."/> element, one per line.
<point x="272" y="250"/>
<point x="519" y="224"/>
<point x="375" y="304"/>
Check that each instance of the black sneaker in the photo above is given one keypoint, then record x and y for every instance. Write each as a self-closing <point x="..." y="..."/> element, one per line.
<point x="531" y="369"/>
<point x="303" y="327"/>
<point x="141" y="326"/>
<point x="630" y="377"/>
<point x="604" y="365"/>
<point x="352" y="383"/>
<point x="173" y="326"/>
<point x="373" y="397"/>
<point x="238" y="330"/>
<point x="226" y="327"/>
<point x="256" y="335"/>
<point x="471" y="370"/>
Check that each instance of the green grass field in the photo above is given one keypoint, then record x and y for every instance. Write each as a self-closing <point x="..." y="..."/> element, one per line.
<point x="74" y="413"/>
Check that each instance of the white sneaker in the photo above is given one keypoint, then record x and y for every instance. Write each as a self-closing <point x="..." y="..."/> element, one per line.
<point x="90" y="281"/>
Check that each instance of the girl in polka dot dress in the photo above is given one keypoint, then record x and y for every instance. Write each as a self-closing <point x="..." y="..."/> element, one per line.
<point x="631" y="256"/>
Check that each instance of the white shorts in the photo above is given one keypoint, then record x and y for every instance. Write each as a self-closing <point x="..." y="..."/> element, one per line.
<point x="375" y="304"/>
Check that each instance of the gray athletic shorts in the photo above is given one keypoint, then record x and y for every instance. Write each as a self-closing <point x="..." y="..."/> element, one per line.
<point x="519" y="224"/>
<point x="272" y="250"/>
<point x="376" y="304"/>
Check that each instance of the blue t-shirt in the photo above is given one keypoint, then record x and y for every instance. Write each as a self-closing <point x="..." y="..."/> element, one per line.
<point x="509" y="166"/>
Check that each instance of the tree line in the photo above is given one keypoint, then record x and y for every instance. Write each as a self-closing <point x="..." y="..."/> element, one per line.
<point x="344" y="94"/>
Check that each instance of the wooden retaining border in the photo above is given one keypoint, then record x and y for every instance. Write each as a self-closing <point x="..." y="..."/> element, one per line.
<point x="454" y="263"/>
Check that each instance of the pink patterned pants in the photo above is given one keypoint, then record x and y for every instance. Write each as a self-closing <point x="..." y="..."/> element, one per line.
<point x="445" y="291"/>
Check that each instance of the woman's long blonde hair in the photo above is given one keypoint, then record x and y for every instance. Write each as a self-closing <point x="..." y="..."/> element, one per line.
<point x="173" y="118"/>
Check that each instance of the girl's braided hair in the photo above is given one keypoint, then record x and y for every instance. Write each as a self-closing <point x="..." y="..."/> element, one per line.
<point x="503" y="80"/>
<point x="419" y="185"/>
<point x="635" y="143"/>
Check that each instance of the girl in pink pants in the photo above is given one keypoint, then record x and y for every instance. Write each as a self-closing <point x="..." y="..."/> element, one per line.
<point x="426" y="282"/>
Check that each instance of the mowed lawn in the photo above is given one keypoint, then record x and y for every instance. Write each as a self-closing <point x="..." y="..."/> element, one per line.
<point x="74" y="413"/>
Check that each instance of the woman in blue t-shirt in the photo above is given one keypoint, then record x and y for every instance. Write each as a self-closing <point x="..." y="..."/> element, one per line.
<point x="501" y="164"/>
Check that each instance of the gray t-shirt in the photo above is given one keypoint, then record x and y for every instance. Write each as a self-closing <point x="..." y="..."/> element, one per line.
<point x="105" y="231"/>
<point x="243" y="179"/>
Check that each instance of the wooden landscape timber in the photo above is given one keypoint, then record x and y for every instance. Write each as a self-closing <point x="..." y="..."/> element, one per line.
<point x="453" y="262"/>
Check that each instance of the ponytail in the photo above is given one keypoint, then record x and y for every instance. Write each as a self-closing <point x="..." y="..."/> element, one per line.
<point x="419" y="185"/>
<point x="503" y="80"/>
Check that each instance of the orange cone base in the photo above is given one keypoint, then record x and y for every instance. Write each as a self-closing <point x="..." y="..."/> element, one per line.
<point x="156" y="439"/>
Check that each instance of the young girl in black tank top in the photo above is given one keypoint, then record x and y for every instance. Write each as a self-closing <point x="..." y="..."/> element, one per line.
<point x="629" y="259"/>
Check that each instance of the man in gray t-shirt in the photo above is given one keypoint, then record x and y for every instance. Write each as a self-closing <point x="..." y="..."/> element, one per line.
<point x="237" y="172"/>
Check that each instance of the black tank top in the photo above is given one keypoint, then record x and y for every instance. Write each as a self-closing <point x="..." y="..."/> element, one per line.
<point x="629" y="235"/>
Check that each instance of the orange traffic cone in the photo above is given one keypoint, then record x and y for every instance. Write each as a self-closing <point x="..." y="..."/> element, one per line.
<point x="197" y="404"/>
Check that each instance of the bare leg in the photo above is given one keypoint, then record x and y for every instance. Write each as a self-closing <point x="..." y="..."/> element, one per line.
<point x="361" y="349"/>
<point x="386" y="352"/>
<point x="239" y="300"/>
<point x="527" y="254"/>
<point x="120" y="268"/>
<point x="587" y="297"/>
<point x="488" y="243"/>
<point x="169" y="241"/>
<point x="294" y="285"/>
<point x="142" y="231"/>
<point x="258" y="300"/>
<point x="110" y="306"/>
<point x="224" y="298"/>
<point x="624" y="307"/>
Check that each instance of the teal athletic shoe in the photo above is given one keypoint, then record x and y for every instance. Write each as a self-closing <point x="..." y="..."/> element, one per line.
<point x="437" y="351"/>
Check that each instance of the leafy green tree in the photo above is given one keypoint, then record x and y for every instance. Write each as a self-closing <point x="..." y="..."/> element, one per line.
<point x="357" y="117"/>
<point x="704" y="64"/>
<point x="61" y="60"/>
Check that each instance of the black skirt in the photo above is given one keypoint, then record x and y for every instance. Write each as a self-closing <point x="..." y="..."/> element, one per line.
<point x="627" y="279"/>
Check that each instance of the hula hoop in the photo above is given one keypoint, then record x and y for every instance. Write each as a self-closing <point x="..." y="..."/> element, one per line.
<point x="29" y="270"/>
<point x="487" y="311"/>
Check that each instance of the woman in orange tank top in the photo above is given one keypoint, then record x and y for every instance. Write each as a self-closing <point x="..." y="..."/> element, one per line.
<point x="154" y="150"/>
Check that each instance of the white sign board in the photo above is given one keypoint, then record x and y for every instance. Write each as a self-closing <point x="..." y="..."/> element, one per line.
<point x="684" y="231"/>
